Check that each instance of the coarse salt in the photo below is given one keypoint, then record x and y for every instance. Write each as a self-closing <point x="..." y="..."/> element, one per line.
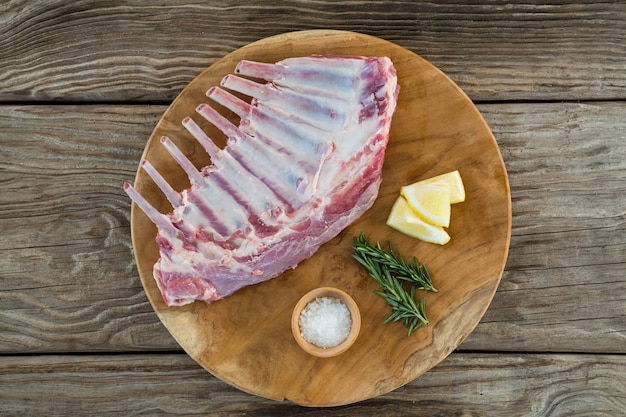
<point x="325" y="322"/>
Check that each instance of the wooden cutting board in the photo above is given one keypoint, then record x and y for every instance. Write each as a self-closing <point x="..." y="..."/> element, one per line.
<point x="246" y="339"/>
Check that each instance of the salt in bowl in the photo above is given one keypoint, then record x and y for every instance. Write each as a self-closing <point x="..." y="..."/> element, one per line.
<point x="355" y="317"/>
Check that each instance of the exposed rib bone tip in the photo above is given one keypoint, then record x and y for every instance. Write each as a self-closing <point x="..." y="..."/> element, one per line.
<point x="211" y="91"/>
<point x="171" y="194"/>
<point x="225" y="80"/>
<point x="192" y="172"/>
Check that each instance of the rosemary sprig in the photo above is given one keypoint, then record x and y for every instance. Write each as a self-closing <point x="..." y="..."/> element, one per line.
<point x="390" y="270"/>
<point x="412" y="272"/>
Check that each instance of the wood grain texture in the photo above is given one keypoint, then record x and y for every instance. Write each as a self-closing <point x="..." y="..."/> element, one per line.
<point x="463" y="385"/>
<point x="88" y="50"/>
<point x="435" y="122"/>
<point x="567" y="165"/>
<point x="68" y="280"/>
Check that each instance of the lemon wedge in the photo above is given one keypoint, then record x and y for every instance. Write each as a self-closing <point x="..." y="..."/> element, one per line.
<point x="404" y="219"/>
<point x="423" y="208"/>
<point x="429" y="201"/>
<point x="451" y="180"/>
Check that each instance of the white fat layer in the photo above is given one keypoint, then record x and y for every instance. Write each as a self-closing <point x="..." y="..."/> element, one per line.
<point x="333" y="77"/>
<point x="249" y="187"/>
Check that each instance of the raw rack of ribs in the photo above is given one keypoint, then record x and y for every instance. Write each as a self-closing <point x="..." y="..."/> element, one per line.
<point x="304" y="162"/>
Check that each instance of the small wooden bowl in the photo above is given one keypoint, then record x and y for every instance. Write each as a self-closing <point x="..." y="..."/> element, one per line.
<point x="355" y="316"/>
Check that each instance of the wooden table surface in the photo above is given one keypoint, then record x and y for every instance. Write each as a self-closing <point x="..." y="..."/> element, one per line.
<point x="82" y="85"/>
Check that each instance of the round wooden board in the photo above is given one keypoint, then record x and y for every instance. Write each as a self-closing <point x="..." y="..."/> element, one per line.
<point x="246" y="339"/>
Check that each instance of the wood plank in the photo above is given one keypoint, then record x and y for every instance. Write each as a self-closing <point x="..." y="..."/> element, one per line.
<point x="83" y="51"/>
<point x="69" y="281"/>
<point x="170" y="384"/>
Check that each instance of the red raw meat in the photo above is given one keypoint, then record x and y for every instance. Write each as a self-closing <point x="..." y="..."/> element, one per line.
<point x="304" y="163"/>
